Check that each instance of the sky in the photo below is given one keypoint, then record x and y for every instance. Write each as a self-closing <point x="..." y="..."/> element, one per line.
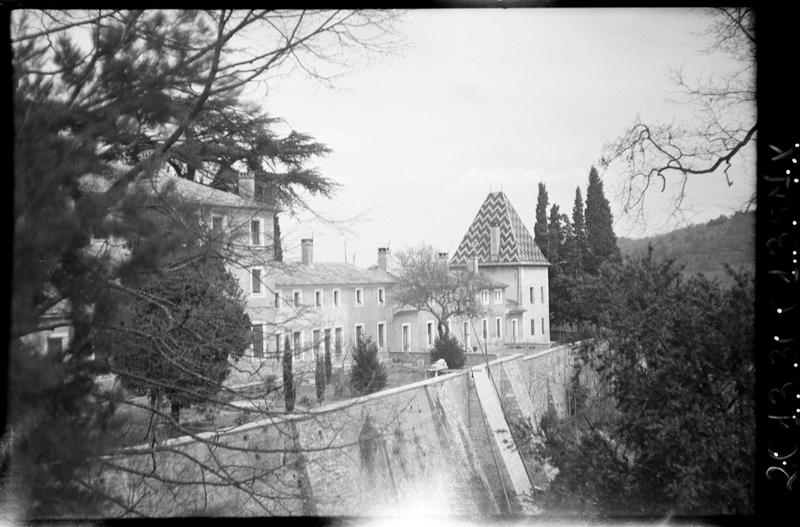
<point x="482" y="100"/>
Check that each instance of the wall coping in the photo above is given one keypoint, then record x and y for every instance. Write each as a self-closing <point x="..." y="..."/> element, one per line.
<point x="339" y="405"/>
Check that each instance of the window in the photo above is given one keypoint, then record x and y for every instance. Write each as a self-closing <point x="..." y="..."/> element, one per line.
<point x="359" y="332"/>
<point x="297" y="298"/>
<point x="359" y="297"/>
<point x="498" y="296"/>
<point x="257" y="335"/>
<point x="338" y="341"/>
<point x="485" y="328"/>
<point x="429" y="332"/>
<point x="318" y="298"/>
<point x="514" y="330"/>
<point x="406" y="334"/>
<point x="381" y="334"/>
<point x="533" y="327"/>
<point x="532" y="300"/>
<point x="277" y="300"/>
<point x="381" y="296"/>
<point x="465" y="330"/>
<point x="216" y="223"/>
<point x="255" y="232"/>
<point x="335" y="298"/>
<point x="278" y="338"/>
<point x="542" y="295"/>
<point x="497" y="327"/>
<point x="542" y="325"/>
<point x="484" y="297"/>
<point x="255" y="280"/>
<point x="327" y="341"/>
<point x="55" y="343"/>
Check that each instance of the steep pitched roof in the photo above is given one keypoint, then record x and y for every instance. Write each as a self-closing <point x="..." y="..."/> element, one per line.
<point x="188" y="190"/>
<point x="326" y="273"/>
<point x="516" y="242"/>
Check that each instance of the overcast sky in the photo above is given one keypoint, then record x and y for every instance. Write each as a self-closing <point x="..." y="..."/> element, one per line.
<point x="486" y="100"/>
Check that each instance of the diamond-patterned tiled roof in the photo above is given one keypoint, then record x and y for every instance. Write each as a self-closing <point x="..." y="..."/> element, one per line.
<point x="516" y="242"/>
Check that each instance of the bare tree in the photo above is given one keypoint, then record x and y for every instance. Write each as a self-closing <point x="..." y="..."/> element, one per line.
<point x="724" y="125"/>
<point x="425" y="282"/>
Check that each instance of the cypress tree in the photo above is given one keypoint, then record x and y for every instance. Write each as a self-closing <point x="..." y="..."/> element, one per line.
<point x="540" y="228"/>
<point x="554" y="240"/>
<point x="288" y="377"/>
<point x="579" y="233"/>
<point x="601" y="243"/>
<point x="277" y="249"/>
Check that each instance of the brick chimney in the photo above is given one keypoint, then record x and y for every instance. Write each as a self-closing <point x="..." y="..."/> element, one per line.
<point x="383" y="257"/>
<point x="443" y="261"/>
<point x="494" y="231"/>
<point x="307" y="251"/>
<point x="247" y="185"/>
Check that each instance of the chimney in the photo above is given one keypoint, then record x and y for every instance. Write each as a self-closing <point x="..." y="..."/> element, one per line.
<point x="443" y="261"/>
<point x="383" y="257"/>
<point x="495" y="242"/>
<point x="307" y="248"/>
<point x="472" y="264"/>
<point x="247" y="185"/>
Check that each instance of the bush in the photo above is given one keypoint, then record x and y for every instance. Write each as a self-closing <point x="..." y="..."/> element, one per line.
<point x="368" y="374"/>
<point x="449" y="349"/>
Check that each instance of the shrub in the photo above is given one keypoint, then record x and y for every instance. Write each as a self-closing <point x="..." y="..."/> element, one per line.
<point x="449" y="349"/>
<point x="368" y="374"/>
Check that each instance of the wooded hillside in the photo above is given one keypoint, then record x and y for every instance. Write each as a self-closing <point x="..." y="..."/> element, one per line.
<point x="704" y="248"/>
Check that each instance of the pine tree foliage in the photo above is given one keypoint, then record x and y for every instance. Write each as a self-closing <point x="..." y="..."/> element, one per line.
<point x="601" y="242"/>
<point x="368" y="374"/>
<point x="540" y="235"/>
<point x="124" y="95"/>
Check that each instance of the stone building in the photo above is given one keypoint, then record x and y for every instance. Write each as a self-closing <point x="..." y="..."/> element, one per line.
<point x="499" y="245"/>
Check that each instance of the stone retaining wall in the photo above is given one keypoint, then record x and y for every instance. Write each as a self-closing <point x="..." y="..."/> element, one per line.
<point x="440" y="446"/>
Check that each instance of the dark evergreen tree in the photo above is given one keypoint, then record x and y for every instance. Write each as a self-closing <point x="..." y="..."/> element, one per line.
<point x="367" y="374"/>
<point x="675" y="384"/>
<point x="320" y="380"/>
<point x="288" y="376"/>
<point x="579" y="233"/>
<point x="555" y="241"/>
<point x="176" y="336"/>
<point x="448" y="348"/>
<point x="328" y="363"/>
<point x="540" y="228"/>
<point x="601" y="243"/>
<point x="277" y="246"/>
